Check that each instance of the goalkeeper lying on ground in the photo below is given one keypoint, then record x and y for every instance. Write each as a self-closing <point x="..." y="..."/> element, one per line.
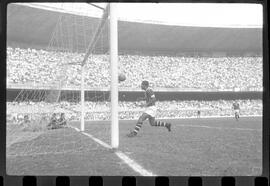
<point x="57" y="123"/>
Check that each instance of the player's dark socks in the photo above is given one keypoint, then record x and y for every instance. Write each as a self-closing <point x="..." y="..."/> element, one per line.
<point x="137" y="127"/>
<point x="135" y="131"/>
<point x="160" y="124"/>
<point x="169" y="127"/>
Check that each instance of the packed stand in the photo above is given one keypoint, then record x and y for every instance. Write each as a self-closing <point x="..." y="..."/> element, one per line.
<point x="131" y="110"/>
<point x="31" y="67"/>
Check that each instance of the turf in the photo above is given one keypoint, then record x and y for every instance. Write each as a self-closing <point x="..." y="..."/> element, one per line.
<point x="195" y="147"/>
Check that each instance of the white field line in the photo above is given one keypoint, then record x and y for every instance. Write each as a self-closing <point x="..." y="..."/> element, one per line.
<point x="75" y="129"/>
<point x="131" y="163"/>
<point x="97" y="140"/>
<point x="220" y="128"/>
<point x="135" y="166"/>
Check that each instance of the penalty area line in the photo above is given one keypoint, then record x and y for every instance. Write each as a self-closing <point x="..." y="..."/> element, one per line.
<point x="131" y="163"/>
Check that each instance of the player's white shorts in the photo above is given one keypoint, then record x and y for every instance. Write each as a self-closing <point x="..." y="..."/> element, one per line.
<point x="237" y="111"/>
<point x="152" y="110"/>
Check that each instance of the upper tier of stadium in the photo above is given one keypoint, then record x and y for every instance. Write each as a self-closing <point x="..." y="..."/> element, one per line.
<point x="31" y="67"/>
<point x="32" y="26"/>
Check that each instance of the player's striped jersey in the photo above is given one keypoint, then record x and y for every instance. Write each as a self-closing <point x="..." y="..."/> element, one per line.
<point x="236" y="106"/>
<point x="149" y="93"/>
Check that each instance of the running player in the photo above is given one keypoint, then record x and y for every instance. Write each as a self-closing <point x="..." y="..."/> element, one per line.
<point x="150" y="111"/>
<point x="236" y="108"/>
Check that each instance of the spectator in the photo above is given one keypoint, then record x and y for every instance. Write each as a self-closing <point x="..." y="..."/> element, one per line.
<point x="39" y="67"/>
<point x="129" y="110"/>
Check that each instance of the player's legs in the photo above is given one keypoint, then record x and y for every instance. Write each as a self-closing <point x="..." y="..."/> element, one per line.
<point x="139" y="123"/>
<point x="152" y="121"/>
<point x="155" y="123"/>
<point x="236" y="113"/>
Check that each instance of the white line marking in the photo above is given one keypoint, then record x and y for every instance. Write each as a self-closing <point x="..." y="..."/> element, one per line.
<point x="134" y="165"/>
<point x="131" y="163"/>
<point x="221" y="128"/>
<point x="76" y="129"/>
<point x="97" y="140"/>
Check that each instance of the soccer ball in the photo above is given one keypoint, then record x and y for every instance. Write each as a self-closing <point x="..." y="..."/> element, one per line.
<point x="121" y="77"/>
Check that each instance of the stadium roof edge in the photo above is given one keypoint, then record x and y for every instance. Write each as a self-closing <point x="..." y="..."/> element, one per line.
<point x="31" y="27"/>
<point x="95" y="15"/>
<point x="56" y="9"/>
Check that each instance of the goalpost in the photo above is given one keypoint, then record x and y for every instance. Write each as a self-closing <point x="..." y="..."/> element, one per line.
<point x="110" y="11"/>
<point x="114" y="76"/>
<point x="81" y="57"/>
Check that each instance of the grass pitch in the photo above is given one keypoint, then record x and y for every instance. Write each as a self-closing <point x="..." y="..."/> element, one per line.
<point x="195" y="147"/>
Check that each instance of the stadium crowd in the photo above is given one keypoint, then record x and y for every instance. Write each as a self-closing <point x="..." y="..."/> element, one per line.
<point x="131" y="110"/>
<point x="31" y="67"/>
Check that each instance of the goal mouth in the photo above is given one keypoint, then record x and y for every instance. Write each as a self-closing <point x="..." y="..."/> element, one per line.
<point x="74" y="72"/>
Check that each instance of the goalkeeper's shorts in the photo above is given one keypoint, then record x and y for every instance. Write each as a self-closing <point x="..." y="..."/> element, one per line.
<point x="152" y="111"/>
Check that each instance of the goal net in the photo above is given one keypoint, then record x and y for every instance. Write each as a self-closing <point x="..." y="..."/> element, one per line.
<point x="72" y="81"/>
